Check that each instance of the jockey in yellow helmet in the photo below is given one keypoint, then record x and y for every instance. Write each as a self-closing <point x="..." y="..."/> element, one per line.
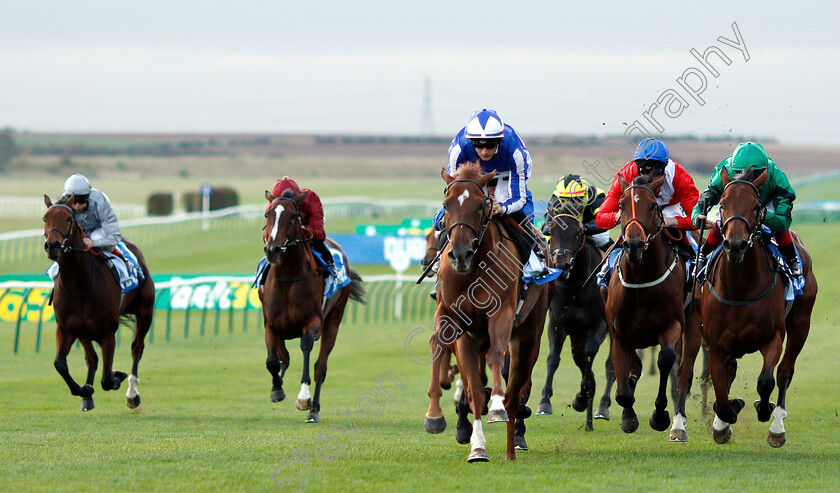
<point x="573" y="187"/>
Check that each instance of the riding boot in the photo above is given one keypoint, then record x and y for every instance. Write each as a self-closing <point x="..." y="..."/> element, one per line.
<point x="436" y="267"/>
<point x="699" y="273"/>
<point x="789" y="251"/>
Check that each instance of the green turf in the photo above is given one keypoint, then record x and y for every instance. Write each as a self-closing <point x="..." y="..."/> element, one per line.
<point x="206" y="422"/>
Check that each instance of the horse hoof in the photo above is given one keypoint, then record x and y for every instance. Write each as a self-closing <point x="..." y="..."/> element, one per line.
<point x="303" y="404"/>
<point x="445" y="385"/>
<point x="312" y="417"/>
<point x="87" y="404"/>
<point x="659" y="420"/>
<point x="602" y="413"/>
<point x="580" y="403"/>
<point x="85" y="391"/>
<point x="776" y="440"/>
<point x="132" y="402"/>
<point x="497" y="416"/>
<point x="277" y="395"/>
<point x="737" y="404"/>
<point x="678" y="436"/>
<point x="478" y="455"/>
<point x="434" y="425"/>
<point x="462" y="435"/>
<point x="629" y="422"/>
<point x="722" y="436"/>
<point x="544" y="409"/>
<point x="119" y="376"/>
<point x="519" y="443"/>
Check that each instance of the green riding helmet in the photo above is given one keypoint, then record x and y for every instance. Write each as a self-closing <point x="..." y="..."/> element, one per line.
<point x="748" y="154"/>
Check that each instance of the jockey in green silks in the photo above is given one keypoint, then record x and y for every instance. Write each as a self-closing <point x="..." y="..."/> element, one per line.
<point x="776" y="194"/>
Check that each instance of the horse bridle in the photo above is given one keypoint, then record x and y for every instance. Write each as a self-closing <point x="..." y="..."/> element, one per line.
<point x="485" y="218"/>
<point x="648" y="237"/>
<point x="297" y="218"/>
<point x="760" y="211"/>
<point x="65" y="243"/>
<point x="581" y="244"/>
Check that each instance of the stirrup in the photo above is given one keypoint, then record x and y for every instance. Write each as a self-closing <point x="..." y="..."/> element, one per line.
<point x="698" y="273"/>
<point x="794" y="266"/>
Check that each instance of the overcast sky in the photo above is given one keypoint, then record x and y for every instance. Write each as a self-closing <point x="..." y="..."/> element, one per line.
<point x="362" y="66"/>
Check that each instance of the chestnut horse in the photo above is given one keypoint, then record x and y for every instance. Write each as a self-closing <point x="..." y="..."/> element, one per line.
<point x="742" y="309"/>
<point x="644" y="304"/>
<point x="87" y="305"/>
<point x="577" y="309"/>
<point x="291" y="300"/>
<point x="480" y="280"/>
<point x="447" y="370"/>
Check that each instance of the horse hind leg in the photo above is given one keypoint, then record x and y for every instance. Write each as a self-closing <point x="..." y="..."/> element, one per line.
<point x="144" y="323"/>
<point x="603" y="411"/>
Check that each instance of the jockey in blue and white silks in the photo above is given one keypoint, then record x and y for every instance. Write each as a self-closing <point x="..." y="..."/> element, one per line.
<point x="511" y="161"/>
<point x="486" y="139"/>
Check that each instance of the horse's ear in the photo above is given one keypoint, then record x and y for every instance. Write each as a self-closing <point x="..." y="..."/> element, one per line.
<point x="724" y="176"/>
<point x="47" y="201"/>
<point x="299" y="197"/>
<point x="71" y="200"/>
<point x="622" y="182"/>
<point x="761" y="179"/>
<point x="443" y="174"/>
<point x="485" y="178"/>
<point x="268" y="196"/>
<point x="656" y="184"/>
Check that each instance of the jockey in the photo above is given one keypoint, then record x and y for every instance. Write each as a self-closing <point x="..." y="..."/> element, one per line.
<point x="497" y="146"/>
<point x="576" y="189"/>
<point x="312" y="218"/>
<point x="92" y="211"/>
<point x="676" y="196"/>
<point x="776" y="194"/>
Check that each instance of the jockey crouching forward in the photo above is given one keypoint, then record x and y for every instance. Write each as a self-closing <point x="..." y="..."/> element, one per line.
<point x="92" y="211"/>
<point x="497" y="146"/>
<point x="676" y="196"/>
<point x="776" y="194"/>
<point x="584" y="197"/>
<point x="312" y="218"/>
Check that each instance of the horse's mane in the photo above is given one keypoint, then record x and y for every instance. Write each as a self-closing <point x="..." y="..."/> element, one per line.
<point x="471" y="171"/>
<point x="749" y="174"/>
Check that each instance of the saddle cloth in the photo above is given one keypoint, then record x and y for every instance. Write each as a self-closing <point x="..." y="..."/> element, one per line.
<point x="331" y="283"/>
<point x="128" y="276"/>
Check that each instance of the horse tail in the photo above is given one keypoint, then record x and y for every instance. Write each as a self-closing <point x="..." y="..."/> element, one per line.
<point x="128" y="321"/>
<point x="357" y="287"/>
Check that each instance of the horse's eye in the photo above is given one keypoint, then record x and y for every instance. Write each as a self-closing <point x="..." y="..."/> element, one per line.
<point x="266" y="215"/>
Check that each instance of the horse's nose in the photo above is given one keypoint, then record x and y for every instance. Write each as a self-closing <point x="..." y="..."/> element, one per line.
<point x="52" y="247"/>
<point x="738" y="246"/>
<point x="635" y="248"/>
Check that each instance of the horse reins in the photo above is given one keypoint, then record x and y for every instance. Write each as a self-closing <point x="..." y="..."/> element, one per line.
<point x="66" y="248"/>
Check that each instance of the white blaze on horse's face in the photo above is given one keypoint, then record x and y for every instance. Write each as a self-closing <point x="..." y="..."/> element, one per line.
<point x="635" y="197"/>
<point x="464" y="196"/>
<point x="277" y="210"/>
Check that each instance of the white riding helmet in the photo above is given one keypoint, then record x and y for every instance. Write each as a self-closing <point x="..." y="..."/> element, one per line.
<point x="77" y="185"/>
<point x="485" y="124"/>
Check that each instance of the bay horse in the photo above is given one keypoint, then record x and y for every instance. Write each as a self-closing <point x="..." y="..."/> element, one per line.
<point x="89" y="305"/>
<point x="479" y="288"/>
<point x="644" y="304"/>
<point x="742" y="310"/>
<point x="291" y="301"/>
<point x="576" y="309"/>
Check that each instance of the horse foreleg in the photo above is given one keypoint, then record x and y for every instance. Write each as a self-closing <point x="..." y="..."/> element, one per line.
<point x="726" y="411"/>
<point x="92" y="362"/>
<point x="622" y="357"/>
<point x="466" y="353"/>
<point x="771" y="352"/>
<point x="668" y="340"/>
<point x="583" y="352"/>
<point x="556" y="337"/>
<point x="685" y="374"/>
<point x="435" y="421"/>
<point x="274" y="363"/>
<point x="111" y="379"/>
<point x="304" y="398"/>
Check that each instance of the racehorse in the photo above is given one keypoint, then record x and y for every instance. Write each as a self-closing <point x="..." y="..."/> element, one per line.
<point x="88" y="306"/>
<point x="742" y="309"/>
<point x="577" y="309"/>
<point x="644" y="304"/>
<point x="291" y="300"/>
<point x="478" y="293"/>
